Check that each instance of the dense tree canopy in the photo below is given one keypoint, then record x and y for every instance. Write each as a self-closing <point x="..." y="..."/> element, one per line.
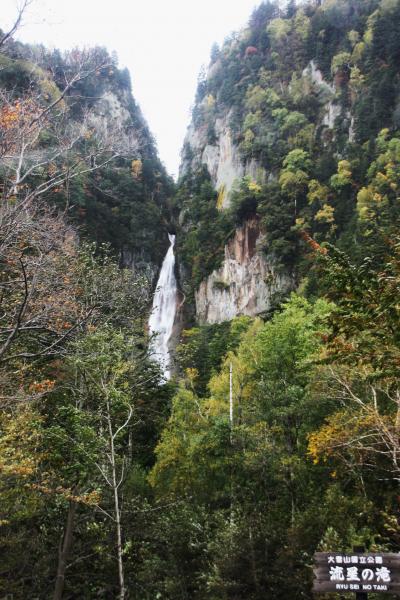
<point x="278" y="435"/>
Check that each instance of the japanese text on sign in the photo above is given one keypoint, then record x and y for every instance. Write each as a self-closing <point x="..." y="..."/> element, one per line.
<point x="373" y="572"/>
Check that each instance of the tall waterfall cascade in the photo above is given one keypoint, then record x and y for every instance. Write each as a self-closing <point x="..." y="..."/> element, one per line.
<point x="162" y="316"/>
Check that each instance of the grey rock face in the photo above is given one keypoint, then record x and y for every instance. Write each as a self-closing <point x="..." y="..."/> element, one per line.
<point x="222" y="160"/>
<point x="245" y="284"/>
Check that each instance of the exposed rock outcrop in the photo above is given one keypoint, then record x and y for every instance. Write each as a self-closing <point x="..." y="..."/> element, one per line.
<point x="112" y="118"/>
<point x="246" y="284"/>
<point x="139" y="263"/>
<point x="332" y="107"/>
<point x="223" y="159"/>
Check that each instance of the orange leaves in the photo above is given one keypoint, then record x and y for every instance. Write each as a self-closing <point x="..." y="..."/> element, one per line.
<point x="42" y="297"/>
<point x="42" y="387"/>
<point x="89" y="499"/>
<point x="9" y="115"/>
<point x="51" y="169"/>
<point x="312" y="243"/>
<point x="19" y="127"/>
<point x="356" y="433"/>
<point x="19" y="113"/>
<point x="251" y="51"/>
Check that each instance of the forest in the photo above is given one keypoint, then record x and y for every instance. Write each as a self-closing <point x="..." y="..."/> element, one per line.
<point x="118" y="483"/>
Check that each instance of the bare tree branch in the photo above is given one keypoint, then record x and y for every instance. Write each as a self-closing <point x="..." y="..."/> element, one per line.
<point x="17" y="22"/>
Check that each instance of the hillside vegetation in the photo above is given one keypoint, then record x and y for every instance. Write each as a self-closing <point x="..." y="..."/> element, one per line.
<point x="311" y="96"/>
<point x="115" y="484"/>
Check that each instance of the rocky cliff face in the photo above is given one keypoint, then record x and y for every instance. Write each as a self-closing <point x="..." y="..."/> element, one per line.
<point x="276" y="124"/>
<point x="246" y="284"/>
<point x="110" y="113"/>
<point x="329" y="93"/>
<point x="222" y="158"/>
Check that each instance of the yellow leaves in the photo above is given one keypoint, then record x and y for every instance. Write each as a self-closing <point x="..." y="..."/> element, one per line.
<point x="353" y="36"/>
<point x="293" y="183"/>
<point x="192" y="375"/>
<point x="210" y="101"/>
<point x="364" y="203"/>
<point x="357" y="79"/>
<point x="382" y="139"/>
<point x="92" y="498"/>
<point x="384" y="179"/>
<point x="343" y="176"/>
<point x="326" y="214"/>
<point x="221" y="197"/>
<point x="254" y="187"/>
<point x="18" y="470"/>
<point x="340" y="62"/>
<point x="278" y="29"/>
<point x="317" y="192"/>
<point x="249" y="136"/>
<point x="344" y="431"/>
<point x="320" y="441"/>
<point x="137" y="168"/>
<point x="88" y="134"/>
<point x="344" y="168"/>
<point x="20" y="438"/>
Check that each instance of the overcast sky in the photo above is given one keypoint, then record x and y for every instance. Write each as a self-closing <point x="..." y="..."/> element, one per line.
<point x="163" y="43"/>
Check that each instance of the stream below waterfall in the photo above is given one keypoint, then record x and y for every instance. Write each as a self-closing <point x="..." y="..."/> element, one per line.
<point x="163" y="312"/>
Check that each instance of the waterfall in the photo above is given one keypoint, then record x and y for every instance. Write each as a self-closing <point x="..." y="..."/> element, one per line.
<point x="163" y="312"/>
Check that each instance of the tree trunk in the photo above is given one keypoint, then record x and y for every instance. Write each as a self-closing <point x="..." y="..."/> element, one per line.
<point x="116" y="509"/>
<point x="119" y="543"/>
<point x="253" y="562"/>
<point x="396" y="449"/>
<point x="64" y="550"/>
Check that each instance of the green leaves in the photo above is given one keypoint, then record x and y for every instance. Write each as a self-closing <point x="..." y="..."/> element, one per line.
<point x="365" y="323"/>
<point x="253" y="476"/>
<point x="206" y="228"/>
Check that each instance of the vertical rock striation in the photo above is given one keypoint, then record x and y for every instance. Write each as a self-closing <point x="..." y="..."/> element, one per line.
<point x="222" y="158"/>
<point x="246" y="283"/>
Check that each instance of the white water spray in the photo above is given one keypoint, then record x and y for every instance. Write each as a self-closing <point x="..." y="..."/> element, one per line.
<point x="163" y="312"/>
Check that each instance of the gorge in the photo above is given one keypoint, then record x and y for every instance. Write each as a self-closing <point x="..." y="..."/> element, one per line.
<point x="200" y="378"/>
